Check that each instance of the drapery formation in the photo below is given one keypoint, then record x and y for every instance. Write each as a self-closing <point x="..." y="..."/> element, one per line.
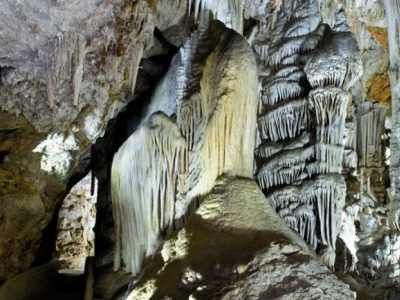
<point x="181" y="148"/>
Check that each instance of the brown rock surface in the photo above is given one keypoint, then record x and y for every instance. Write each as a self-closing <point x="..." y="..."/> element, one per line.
<point x="380" y="35"/>
<point x="379" y="90"/>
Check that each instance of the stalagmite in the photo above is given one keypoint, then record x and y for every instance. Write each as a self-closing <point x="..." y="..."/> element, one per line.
<point x="216" y="114"/>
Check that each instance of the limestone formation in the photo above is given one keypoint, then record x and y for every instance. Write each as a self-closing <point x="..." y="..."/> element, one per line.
<point x="311" y="67"/>
<point x="236" y="247"/>
<point x="164" y="166"/>
<point x="76" y="220"/>
<point x="393" y="16"/>
<point x="145" y="179"/>
<point x="151" y="122"/>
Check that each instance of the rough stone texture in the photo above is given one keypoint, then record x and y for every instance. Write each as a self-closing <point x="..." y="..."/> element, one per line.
<point x="290" y="273"/>
<point x="76" y="220"/>
<point x="303" y="102"/>
<point x="64" y="72"/>
<point x="67" y="67"/>
<point x="27" y="198"/>
<point x="43" y="282"/>
<point x="379" y="89"/>
<point x="379" y="34"/>
<point x="236" y="247"/>
<point x="66" y="59"/>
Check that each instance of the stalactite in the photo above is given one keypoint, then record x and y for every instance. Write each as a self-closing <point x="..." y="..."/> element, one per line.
<point x="64" y="60"/>
<point x="229" y="12"/>
<point x="371" y="123"/>
<point x="301" y="122"/>
<point x="78" y="72"/>
<point x="277" y="91"/>
<point x="137" y="53"/>
<point x="322" y="193"/>
<point x="350" y="158"/>
<point x="49" y="87"/>
<point x="308" y="24"/>
<point x="328" y="105"/>
<point x="145" y="179"/>
<point x="284" y="122"/>
<point x="284" y="168"/>
<point x="295" y="45"/>
<point x="269" y="148"/>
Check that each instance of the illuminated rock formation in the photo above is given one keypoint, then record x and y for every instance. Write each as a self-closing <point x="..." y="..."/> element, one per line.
<point x="235" y="246"/>
<point x="76" y="220"/>
<point x="158" y="99"/>
<point x="302" y="121"/>
<point x="145" y="178"/>
<point x="158" y="173"/>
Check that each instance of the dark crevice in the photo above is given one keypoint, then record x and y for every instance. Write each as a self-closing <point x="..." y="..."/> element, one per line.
<point x="158" y="34"/>
<point x="8" y="131"/>
<point x="47" y="244"/>
<point x="4" y="70"/>
<point x="3" y="155"/>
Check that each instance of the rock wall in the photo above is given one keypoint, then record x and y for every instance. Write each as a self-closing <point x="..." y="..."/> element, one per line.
<point x="62" y="78"/>
<point x="308" y="69"/>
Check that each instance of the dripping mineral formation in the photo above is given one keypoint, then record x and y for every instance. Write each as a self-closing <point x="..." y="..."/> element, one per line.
<point x="302" y="119"/>
<point x="199" y="149"/>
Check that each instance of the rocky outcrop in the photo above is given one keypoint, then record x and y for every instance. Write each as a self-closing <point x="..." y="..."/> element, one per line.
<point x="236" y="247"/>
<point x="76" y="220"/>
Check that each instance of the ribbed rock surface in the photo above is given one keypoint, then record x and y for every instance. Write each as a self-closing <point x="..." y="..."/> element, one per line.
<point x="309" y="67"/>
<point x="166" y="164"/>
